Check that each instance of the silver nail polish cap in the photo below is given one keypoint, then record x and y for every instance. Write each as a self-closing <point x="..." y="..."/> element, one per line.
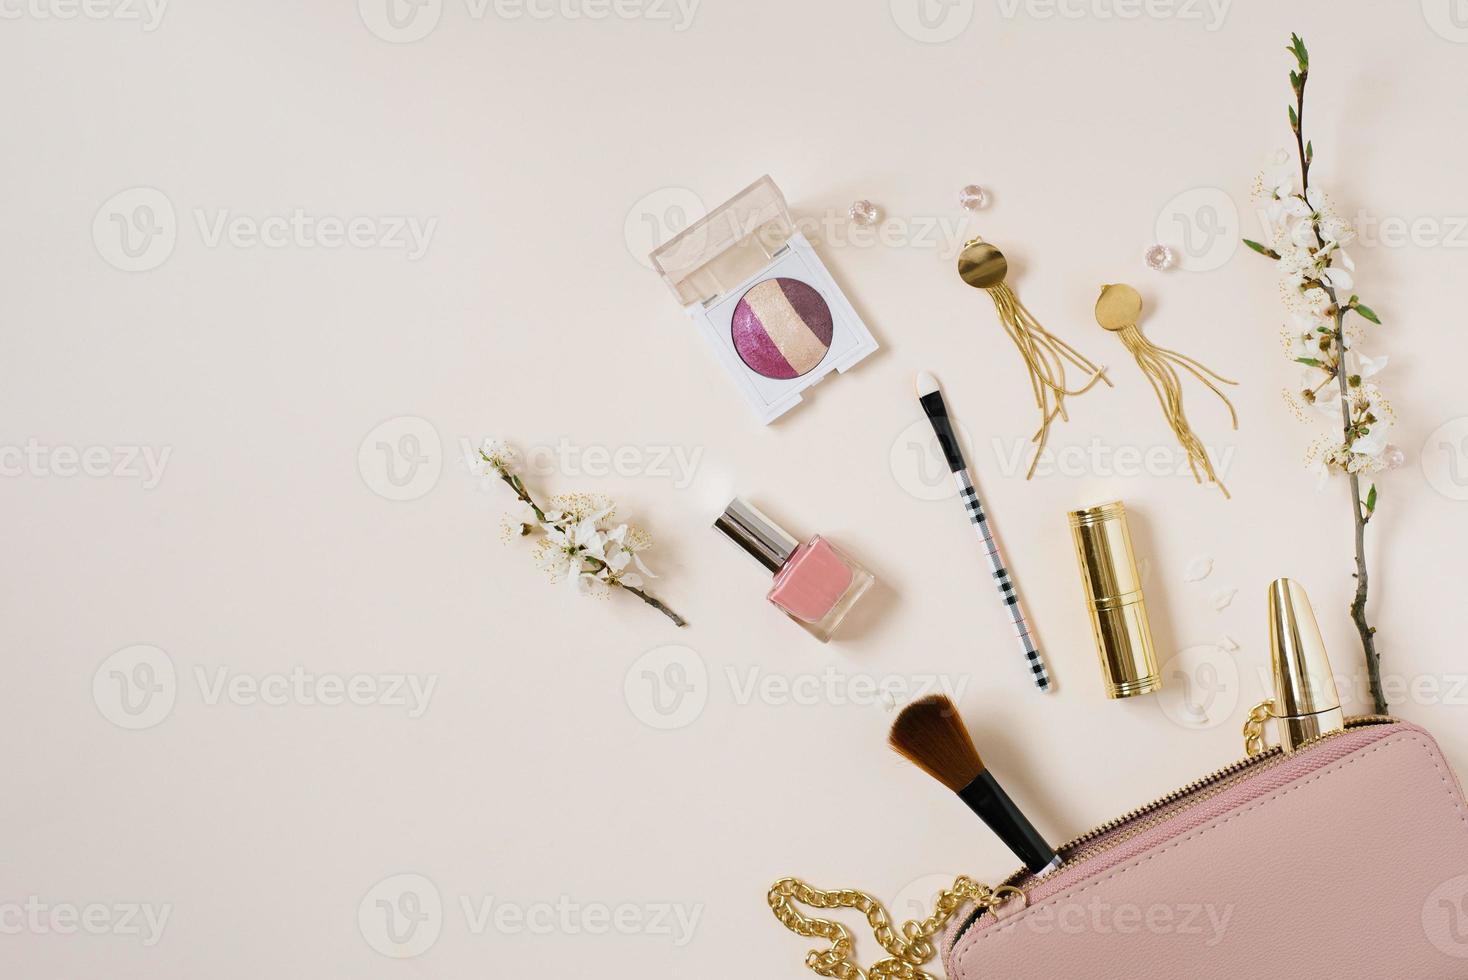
<point x="766" y="541"/>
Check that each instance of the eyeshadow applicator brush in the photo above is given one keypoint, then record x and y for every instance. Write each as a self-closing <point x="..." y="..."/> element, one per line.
<point x="930" y="396"/>
<point x="931" y="735"/>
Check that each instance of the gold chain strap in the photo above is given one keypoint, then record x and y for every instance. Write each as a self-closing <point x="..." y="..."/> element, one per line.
<point x="906" y="954"/>
<point x="1254" y="727"/>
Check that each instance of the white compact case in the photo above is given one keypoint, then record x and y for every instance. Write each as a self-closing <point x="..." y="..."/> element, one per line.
<point x="763" y="300"/>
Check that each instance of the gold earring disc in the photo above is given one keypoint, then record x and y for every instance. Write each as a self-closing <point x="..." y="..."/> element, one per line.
<point x="1118" y="306"/>
<point x="982" y="265"/>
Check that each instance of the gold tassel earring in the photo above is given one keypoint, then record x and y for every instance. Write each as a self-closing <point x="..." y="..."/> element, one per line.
<point x="983" y="266"/>
<point x="1118" y="310"/>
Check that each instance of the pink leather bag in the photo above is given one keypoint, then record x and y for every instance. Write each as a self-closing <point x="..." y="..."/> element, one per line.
<point x="1348" y="859"/>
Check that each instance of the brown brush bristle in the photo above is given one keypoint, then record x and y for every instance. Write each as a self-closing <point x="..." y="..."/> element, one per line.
<point x="930" y="734"/>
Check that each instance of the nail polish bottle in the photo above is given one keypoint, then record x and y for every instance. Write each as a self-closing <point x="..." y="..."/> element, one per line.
<point x="815" y="584"/>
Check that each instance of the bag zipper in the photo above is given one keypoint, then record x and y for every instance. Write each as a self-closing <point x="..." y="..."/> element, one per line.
<point x="1024" y="879"/>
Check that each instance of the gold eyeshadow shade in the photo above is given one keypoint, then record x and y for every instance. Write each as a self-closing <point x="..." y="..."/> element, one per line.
<point x="782" y="328"/>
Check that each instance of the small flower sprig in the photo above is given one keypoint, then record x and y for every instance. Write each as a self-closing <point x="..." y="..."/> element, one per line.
<point x="580" y="546"/>
<point x="1308" y="245"/>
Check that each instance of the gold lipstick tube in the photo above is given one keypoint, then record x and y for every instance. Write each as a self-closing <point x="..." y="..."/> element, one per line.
<point x="1306" y="702"/>
<point x="1114" y="595"/>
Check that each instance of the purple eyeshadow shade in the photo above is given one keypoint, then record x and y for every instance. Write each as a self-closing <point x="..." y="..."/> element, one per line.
<point x="782" y="328"/>
<point x="756" y="348"/>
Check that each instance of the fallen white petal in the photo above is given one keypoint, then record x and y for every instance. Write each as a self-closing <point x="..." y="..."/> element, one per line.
<point x="1198" y="569"/>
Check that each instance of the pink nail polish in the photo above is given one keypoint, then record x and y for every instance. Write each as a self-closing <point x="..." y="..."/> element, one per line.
<point x="815" y="584"/>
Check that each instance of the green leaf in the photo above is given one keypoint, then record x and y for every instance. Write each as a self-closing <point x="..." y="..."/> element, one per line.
<point x="1308" y="360"/>
<point x="1262" y="249"/>
<point x="1309" y="151"/>
<point x="1297" y="48"/>
<point x="1366" y="311"/>
<point x="1371" y="501"/>
<point x="1294" y="119"/>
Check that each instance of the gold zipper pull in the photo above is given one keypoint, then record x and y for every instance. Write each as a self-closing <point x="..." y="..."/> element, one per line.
<point x="1254" y="727"/>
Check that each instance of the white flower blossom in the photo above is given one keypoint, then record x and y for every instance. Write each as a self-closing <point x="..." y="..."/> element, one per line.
<point x="1368" y="367"/>
<point x="623" y="547"/>
<point x="1336" y="231"/>
<point x="501" y="456"/>
<point x="1317" y="301"/>
<point x="576" y="539"/>
<point x="573" y="545"/>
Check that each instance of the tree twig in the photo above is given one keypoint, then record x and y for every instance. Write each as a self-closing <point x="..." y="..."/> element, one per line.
<point x="1360" y="517"/>
<point x="596" y="564"/>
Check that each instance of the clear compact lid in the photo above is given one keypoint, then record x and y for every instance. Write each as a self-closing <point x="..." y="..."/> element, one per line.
<point x="725" y="248"/>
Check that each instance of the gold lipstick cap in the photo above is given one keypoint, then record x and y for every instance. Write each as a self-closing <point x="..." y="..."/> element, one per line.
<point x="1114" y="596"/>
<point x="1306" y="703"/>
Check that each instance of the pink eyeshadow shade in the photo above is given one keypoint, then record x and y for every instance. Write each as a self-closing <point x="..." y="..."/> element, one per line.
<point x="782" y="328"/>
<point x="812" y="581"/>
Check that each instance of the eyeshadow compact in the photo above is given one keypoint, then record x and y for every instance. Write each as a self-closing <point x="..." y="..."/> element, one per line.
<point x="762" y="299"/>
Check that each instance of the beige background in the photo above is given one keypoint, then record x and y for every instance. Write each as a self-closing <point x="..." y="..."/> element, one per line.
<point x="541" y="155"/>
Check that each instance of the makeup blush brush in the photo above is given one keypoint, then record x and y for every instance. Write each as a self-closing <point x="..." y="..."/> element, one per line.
<point x="931" y="735"/>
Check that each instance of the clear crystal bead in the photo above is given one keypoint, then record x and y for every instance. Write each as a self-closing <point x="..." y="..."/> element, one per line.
<point x="1159" y="258"/>
<point x="864" y="213"/>
<point x="973" y="197"/>
<point x="1393" y="457"/>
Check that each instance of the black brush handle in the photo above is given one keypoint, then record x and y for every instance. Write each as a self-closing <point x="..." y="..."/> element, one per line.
<point x="937" y="413"/>
<point x="987" y="798"/>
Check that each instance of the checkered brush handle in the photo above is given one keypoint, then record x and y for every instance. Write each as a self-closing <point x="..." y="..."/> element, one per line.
<point x="975" y="509"/>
